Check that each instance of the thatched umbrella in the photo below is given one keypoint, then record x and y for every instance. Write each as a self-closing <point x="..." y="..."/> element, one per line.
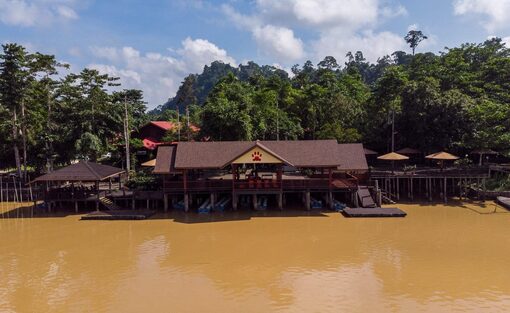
<point x="441" y="157"/>
<point x="393" y="156"/>
<point x="150" y="163"/>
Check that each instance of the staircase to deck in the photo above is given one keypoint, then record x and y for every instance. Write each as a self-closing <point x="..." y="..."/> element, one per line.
<point x="365" y="197"/>
<point x="109" y="204"/>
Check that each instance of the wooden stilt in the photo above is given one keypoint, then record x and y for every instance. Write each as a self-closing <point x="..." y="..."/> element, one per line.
<point x="186" y="202"/>
<point x="213" y="199"/>
<point x="307" y="200"/>
<point x="444" y="193"/>
<point x="484" y="189"/>
<point x="430" y="189"/>
<point x="165" y="202"/>
<point x="398" y="188"/>
<point x="412" y="187"/>
<point x="234" y="201"/>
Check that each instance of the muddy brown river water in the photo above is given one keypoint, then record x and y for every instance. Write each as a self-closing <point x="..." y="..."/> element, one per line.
<point x="453" y="258"/>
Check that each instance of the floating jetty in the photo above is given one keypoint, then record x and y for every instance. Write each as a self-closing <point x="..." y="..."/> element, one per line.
<point x="118" y="215"/>
<point x="504" y="202"/>
<point x="374" y="212"/>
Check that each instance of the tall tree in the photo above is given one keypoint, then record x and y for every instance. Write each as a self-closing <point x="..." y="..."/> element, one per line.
<point x="45" y="67"/>
<point x="13" y="85"/>
<point x="414" y="37"/>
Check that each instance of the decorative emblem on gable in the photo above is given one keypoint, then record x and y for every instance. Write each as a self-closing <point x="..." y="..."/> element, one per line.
<point x="256" y="156"/>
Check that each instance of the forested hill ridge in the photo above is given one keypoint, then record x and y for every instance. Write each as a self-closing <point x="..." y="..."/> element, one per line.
<point x="202" y="84"/>
<point x="458" y="99"/>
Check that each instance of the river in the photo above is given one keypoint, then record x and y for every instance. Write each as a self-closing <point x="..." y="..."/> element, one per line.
<point x="440" y="258"/>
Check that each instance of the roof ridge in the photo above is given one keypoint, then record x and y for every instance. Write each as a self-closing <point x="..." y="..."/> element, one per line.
<point x="92" y="170"/>
<point x="259" y="144"/>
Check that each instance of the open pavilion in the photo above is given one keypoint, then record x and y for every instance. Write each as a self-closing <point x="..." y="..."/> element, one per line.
<point x="78" y="183"/>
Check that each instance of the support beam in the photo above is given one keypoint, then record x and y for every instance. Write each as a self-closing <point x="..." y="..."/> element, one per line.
<point x="484" y="189"/>
<point x="97" y="198"/>
<point x="307" y="200"/>
<point x="330" y="200"/>
<point x="165" y="202"/>
<point x="444" y="191"/>
<point x="255" y="202"/>
<point x="213" y="199"/>
<point x="186" y="202"/>
<point x="235" y="201"/>
<point x="280" y="200"/>
<point x="398" y="188"/>
<point x="412" y="189"/>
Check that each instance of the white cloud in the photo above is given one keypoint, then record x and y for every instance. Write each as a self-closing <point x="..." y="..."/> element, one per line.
<point x="413" y="27"/>
<point x="506" y="40"/>
<point x="196" y="53"/>
<point x="389" y="12"/>
<point x="30" y="13"/>
<point x="339" y="25"/>
<point x="373" y="45"/>
<point x="158" y="75"/>
<point x="279" y="42"/>
<point x="66" y="12"/>
<point x="495" y="12"/>
<point x="321" y="13"/>
<point x="109" y="53"/>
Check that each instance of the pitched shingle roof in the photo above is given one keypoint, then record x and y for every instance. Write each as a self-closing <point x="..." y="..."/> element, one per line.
<point x="352" y="157"/>
<point x="82" y="171"/>
<point x="302" y="153"/>
<point x="165" y="160"/>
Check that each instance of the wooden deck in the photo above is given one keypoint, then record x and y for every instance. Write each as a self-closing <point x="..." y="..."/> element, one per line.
<point x="374" y="212"/>
<point x="118" y="215"/>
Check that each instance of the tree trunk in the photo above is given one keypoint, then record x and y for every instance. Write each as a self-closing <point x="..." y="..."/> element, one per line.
<point x="126" y="138"/>
<point x="24" y="138"/>
<point x="48" y="144"/>
<point x="15" y="141"/>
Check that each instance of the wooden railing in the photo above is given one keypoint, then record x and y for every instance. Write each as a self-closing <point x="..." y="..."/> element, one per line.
<point x="262" y="184"/>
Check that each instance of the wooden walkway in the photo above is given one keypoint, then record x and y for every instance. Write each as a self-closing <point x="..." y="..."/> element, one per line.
<point x="374" y="212"/>
<point x="118" y="215"/>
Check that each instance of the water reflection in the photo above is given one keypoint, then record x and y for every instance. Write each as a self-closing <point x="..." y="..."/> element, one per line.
<point x="438" y="259"/>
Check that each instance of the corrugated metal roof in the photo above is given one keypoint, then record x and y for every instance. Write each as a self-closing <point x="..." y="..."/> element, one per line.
<point x="163" y="124"/>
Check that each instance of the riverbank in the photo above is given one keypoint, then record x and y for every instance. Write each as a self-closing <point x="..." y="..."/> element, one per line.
<point x="440" y="258"/>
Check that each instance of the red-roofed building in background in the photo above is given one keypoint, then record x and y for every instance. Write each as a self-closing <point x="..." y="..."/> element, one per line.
<point x="152" y="134"/>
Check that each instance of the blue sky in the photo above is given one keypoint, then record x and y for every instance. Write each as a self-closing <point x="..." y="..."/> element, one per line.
<point x="153" y="44"/>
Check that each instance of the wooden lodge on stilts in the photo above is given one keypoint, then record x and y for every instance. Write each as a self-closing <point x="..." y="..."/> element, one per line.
<point x="81" y="184"/>
<point x="256" y="174"/>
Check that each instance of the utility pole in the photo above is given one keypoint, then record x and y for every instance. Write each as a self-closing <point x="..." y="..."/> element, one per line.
<point x="277" y="123"/>
<point x="393" y="130"/>
<point x="187" y="121"/>
<point x="126" y="136"/>
<point x="178" y="125"/>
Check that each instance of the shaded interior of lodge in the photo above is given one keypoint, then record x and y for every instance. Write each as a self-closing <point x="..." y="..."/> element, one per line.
<point x="258" y="175"/>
